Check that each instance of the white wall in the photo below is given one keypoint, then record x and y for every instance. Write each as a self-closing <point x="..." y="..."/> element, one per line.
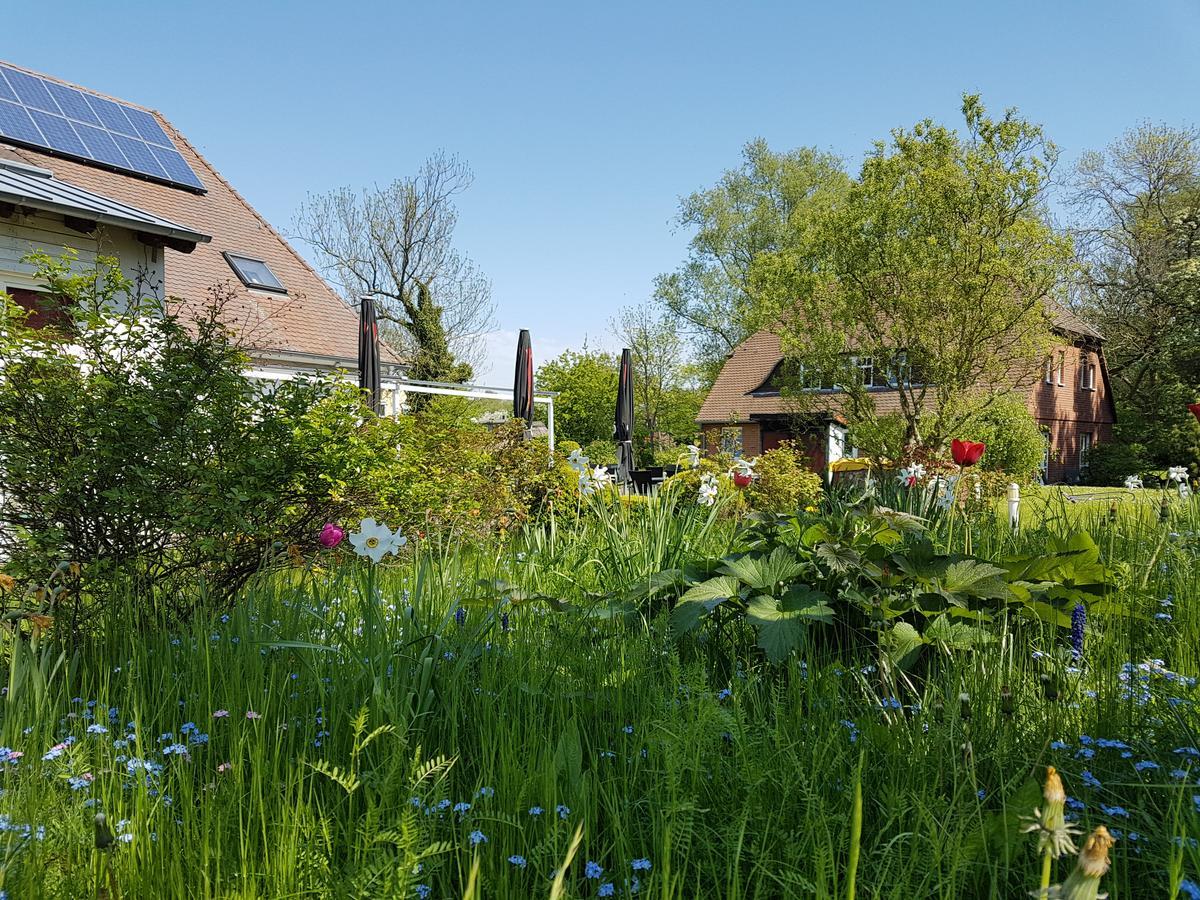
<point x="24" y="233"/>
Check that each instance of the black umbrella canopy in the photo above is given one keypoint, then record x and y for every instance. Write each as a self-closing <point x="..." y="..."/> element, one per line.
<point x="624" y="422"/>
<point x="368" y="355"/>
<point x="523" y="381"/>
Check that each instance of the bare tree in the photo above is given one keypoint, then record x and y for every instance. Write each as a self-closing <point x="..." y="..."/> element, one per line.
<point x="397" y="243"/>
<point x="659" y="363"/>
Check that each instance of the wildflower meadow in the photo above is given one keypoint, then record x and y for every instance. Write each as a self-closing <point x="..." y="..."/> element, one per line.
<point x="392" y="716"/>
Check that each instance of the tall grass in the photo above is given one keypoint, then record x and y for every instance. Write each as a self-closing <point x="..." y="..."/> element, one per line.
<point x="377" y="711"/>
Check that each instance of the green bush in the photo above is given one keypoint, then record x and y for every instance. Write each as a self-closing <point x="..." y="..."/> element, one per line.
<point x="601" y="452"/>
<point x="783" y="482"/>
<point x="1110" y="464"/>
<point x="134" y="445"/>
<point x="1015" y="443"/>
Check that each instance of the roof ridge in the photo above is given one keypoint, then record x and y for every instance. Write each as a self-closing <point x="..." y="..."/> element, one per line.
<point x="175" y="132"/>
<point x="78" y="87"/>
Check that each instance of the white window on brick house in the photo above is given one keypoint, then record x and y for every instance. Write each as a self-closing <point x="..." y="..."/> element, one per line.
<point x="1087" y="372"/>
<point x="1046" y="442"/>
<point x="1050" y="369"/>
<point x="1062" y="366"/>
<point x="1086" y="439"/>
<point x="731" y="441"/>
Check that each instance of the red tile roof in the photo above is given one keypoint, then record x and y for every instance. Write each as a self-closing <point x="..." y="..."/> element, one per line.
<point x="311" y="320"/>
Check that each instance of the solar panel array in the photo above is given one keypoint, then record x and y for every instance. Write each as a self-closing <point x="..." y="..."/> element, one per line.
<point x="44" y="113"/>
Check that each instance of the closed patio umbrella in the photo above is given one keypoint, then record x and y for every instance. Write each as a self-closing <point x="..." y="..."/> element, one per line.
<point x="624" y="423"/>
<point x="523" y="382"/>
<point x="368" y="355"/>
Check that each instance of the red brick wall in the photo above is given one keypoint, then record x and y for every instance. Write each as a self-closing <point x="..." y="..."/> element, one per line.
<point x="751" y="438"/>
<point x="1066" y="409"/>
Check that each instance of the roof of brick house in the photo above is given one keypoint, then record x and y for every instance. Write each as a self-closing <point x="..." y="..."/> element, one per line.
<point x="741" y="390"/>
<point x="308" y="322"/>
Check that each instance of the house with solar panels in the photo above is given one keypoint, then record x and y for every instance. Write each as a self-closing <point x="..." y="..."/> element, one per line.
<point x="101" y="176"/>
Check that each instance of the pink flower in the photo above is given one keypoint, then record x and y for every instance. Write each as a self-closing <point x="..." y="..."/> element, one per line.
<point x="251" y="714"/>
<point x="331" y="535"/>
<point x="224" y="767"/>
<point x="221" y="714"/>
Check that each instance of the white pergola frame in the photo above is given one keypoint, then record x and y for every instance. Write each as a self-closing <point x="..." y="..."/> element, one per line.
<point x="398" y="385"/>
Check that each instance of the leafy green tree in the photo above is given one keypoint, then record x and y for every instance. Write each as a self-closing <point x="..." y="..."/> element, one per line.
<point x="930" y="275"/>
<point x="1138" y="230"/>
<point x="586" y="382"/>
<point x="755" y="208"/>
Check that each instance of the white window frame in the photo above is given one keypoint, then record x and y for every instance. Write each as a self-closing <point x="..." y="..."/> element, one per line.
<point x="1062" y="366"/>
<point x="1087" y="440"/>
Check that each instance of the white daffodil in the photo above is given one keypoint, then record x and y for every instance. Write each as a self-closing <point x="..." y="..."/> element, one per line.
<point x="600" y="477"/>
<point x="1133" y="482"/>
<point x="911" y="475"/>
<point x="375" y="541"/>
<point x="693" y="456"/>
<point x="708" y="489"/>
<point x="577" y="461"/>
<point x="743" y="466"/>
<point x="1178" y="473"/>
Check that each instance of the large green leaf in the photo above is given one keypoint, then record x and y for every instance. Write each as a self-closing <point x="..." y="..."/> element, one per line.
<point x="903" y="644"/>
<point x="837" y="557"/>
<point x="686" y="616"/>
<point x="653" y="584"/>
<point x="781" y="631"/>
<point x="720" y="588"/>
<point x="972" y="578"/>
<point x="762" y="573"/>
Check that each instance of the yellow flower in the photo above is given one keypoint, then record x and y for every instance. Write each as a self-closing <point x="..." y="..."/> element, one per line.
<point x="1084" y="882"/>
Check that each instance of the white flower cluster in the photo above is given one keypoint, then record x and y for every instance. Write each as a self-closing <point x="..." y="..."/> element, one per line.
<point x="910" y="475"/>
<point x="693" y="456"/>
<point x="1133" y="482"/>
<point x="708" y="489"/>
<point x="1178" y="473"/>
<point x="743" y="466"/>
<point x="113" y="344"/>
<point x="375" y="540"/>
<point x="591" y="479"/>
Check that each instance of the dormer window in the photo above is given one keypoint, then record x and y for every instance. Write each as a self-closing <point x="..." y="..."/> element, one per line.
<point x="254" y="273"/>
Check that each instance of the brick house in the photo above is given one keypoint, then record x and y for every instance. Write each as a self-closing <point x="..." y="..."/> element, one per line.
<point x="745" y="411"/>
<point x="102" y="176"/>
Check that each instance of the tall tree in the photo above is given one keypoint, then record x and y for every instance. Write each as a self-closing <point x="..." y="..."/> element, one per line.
<point x="586" y="382"/>
<point x="397" y="243"/>
<point x="755" y="208"/>
<point x="931" y="274"/>
<point x="1137" y="208"/>
<point x="660" y="370"/>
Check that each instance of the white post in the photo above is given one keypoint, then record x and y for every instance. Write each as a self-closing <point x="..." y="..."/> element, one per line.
<point x="1014" y="506"/>
<point x="550" y="422"/>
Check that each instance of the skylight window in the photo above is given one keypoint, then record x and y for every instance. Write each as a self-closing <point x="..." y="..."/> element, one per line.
<point x="254" y="273"/>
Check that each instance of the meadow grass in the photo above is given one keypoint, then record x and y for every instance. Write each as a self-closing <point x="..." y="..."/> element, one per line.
<point x="424" y="728"/>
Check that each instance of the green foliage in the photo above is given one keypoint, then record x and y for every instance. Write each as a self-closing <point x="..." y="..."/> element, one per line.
<point x="751" y="210"/>
<point x="1109" y="464"/>
<point x="935" y="264"/>
<point x="1138" y="202"/>
<point x="135" y="446"/>
<point x="586" y="382"/>
<point x="1015" y="443"/>
<point x="873" y="570"/>
<point x="783" y="481"/>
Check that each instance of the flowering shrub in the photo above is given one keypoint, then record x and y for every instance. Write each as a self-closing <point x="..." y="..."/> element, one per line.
<point x="135" y="446"/>
<point x="783" y="481"/>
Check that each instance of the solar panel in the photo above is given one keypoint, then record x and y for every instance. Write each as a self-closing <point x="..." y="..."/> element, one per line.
<point x="53" y="116"/>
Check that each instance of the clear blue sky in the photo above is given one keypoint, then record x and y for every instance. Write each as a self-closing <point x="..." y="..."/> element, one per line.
<point x="585" y="124"/>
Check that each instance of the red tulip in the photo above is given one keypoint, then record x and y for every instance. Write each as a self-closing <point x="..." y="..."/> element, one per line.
<point x="331" y="535"/>
<point x="1195" y="410"/>
<point x="966" y="453"/>
<point x="742" y="479"/>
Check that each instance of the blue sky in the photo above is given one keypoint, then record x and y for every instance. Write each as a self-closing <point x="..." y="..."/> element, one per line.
<point x="584" y="125"/>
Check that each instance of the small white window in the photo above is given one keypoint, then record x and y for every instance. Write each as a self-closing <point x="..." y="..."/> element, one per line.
<point x="254" y="273"/>
<point x="1085" y="448"/>
<point x="1087" y="373"/>
<point x="1050" y="369"/>
<point x="1062" y="365"/>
